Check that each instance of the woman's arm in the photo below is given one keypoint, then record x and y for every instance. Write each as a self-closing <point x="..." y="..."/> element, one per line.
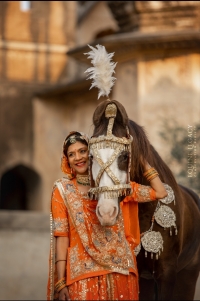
<point x="156" y="184"/>
<point x="61" y="234"/>
<point x="62" y="244"/>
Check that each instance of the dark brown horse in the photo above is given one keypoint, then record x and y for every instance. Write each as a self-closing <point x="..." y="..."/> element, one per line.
<point x="173" y="276"/>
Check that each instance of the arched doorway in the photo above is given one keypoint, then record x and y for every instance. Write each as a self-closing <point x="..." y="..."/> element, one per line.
<point x="17" y="186"/>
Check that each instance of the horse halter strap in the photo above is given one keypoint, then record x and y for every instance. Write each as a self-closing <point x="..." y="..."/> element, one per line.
<point x="119" y="145"/>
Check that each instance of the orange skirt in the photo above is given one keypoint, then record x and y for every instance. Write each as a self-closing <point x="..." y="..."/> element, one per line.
<point x="106" y="287"/>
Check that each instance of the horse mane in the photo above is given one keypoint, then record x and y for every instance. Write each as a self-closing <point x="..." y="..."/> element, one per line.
<point x="141" y="147"/>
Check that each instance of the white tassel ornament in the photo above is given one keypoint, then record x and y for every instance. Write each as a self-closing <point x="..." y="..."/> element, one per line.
<point x="102" y="71"/>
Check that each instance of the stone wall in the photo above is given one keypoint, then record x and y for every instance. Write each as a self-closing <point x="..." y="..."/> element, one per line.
<point x="25" y="245"/>
<point x="54" y="118"/>
<point x="169" y="98"/>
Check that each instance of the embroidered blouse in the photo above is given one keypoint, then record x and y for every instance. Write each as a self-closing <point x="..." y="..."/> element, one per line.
<point x="96" y="250"/>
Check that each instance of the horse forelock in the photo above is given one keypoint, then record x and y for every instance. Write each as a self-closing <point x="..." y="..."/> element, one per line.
<point x="101" y="122"/>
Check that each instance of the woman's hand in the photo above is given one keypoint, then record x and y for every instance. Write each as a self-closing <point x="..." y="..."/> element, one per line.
<point x="64" y="294"/>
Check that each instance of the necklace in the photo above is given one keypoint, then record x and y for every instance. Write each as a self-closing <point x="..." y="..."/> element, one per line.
<point x="83" y="180"/>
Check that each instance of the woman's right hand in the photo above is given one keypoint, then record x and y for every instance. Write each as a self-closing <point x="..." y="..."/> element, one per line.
<point x="64" y="294"/>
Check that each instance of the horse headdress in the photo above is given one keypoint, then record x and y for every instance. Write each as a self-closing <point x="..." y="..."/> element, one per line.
<point x="106" y="149"/>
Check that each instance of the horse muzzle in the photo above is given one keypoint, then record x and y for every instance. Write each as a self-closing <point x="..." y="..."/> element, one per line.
<point x="107" y="212"/>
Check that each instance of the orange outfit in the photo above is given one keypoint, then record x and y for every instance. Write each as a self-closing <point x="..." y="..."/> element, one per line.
<point x="101" y="264"/>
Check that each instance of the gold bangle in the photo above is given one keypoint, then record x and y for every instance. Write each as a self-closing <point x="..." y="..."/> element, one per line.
<point x="150" y="173"/>
<point x="147" y="171"/>
<point x="153" y="178"/>
<point x="60" y="288"/>
<point x="60" y="282"/>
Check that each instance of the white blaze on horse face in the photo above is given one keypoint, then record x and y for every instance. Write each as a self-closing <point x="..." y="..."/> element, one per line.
<point x="107" y="209"/>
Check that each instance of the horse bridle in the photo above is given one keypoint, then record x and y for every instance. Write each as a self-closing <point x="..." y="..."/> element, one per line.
<point x="119" y="145"/>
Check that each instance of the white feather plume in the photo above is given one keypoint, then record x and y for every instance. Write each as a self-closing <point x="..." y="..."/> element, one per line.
<point x="102" y="71"/>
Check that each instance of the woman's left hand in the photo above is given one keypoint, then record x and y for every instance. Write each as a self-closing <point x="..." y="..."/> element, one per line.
<point x="64" y="294"/>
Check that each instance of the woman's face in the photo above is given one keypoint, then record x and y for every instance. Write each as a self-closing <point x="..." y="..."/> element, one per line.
<point x="77" y="154"/>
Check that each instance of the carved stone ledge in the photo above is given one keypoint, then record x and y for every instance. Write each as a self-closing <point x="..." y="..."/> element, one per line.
<point x="136" y="44"/>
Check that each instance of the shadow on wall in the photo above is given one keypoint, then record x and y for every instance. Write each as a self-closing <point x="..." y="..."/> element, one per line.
<point x="18" y="185"/>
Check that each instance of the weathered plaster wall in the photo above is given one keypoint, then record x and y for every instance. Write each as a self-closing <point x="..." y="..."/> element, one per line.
<point x="53" y="119"/>
<point x="168" y="89"/>
<point x="97" y="20"/>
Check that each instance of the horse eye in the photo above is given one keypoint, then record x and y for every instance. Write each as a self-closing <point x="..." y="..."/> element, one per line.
<point x="123" y="161"/>
<point x="123" y="156"/>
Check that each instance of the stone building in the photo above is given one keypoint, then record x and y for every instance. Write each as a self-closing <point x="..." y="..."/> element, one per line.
<point x="44" y="95"/>
<point x="34" y="39"/>
<point x="156" y="45"/>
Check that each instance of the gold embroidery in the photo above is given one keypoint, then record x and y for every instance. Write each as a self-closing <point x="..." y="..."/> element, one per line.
<point x="105" y="248"/>
<point x="60" y="225"/>
<point x="143" y="194"/>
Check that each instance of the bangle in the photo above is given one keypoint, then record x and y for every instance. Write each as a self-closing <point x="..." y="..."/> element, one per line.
<point x="150" y="174"/>
<point x="61" y="260"/>
<point x="61" y="287"/>
<point x="60" y="284"/>
<point x="147" y="171"/>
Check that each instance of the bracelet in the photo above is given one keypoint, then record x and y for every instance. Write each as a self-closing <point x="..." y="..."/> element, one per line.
<point x="147" y="171"/>
<point x="61" y="260"/>
<point x="153" y="177"/>
<point x="60" y="284"/>
<point x="150" y="174"/>
<point x="60" y="288"/>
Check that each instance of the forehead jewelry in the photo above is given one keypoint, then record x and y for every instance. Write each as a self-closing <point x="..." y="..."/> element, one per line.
<point x="72" y="139"/>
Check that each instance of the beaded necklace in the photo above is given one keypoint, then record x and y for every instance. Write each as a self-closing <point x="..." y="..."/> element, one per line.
<point x="83" y="180"/>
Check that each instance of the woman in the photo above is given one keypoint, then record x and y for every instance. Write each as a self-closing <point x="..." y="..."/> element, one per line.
<point x="75" y="269"/>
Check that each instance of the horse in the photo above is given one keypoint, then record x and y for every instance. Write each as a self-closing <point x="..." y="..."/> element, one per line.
<point x="174" y="275"/>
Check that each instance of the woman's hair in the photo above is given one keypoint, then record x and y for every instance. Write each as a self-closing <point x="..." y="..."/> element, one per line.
<point x="71" y="139"/>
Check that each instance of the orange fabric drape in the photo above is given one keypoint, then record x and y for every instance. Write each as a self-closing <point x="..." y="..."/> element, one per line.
<point x="84" y="274"/>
